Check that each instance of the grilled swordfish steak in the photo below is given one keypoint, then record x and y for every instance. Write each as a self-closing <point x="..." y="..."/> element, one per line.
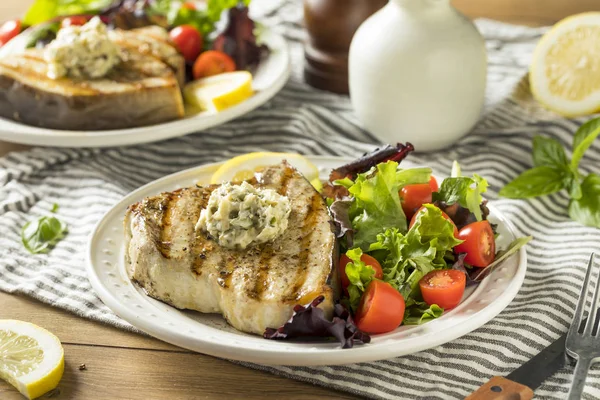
<point x="144" y="89"/>
<point x="254" y="288"/>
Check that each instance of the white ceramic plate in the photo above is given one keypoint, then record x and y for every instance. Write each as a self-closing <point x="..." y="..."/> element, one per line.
<point x="210" y="334"/>
<point x="271" y="75"/>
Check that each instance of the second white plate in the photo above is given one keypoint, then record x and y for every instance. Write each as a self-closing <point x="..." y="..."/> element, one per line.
<point x="210" y="334"/>
<point x="270" y="76"/>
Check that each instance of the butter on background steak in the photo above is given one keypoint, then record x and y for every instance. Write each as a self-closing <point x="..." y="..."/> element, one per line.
<point x="253" y="289"/>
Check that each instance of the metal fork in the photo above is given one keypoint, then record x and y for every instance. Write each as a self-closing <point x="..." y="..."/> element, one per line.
<point x="585" y="346"/>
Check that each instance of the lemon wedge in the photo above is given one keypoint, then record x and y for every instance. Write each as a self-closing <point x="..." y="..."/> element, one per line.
<point x="217" y="92"/>
<point x="243" y="167"/>
<point x="31" y="358"/>
<point x="565" y="70"/>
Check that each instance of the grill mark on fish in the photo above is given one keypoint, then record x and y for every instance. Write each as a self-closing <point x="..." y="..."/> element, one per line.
<point x="167" y="208"/>
<point x="260" y="280"/>
<point x="308" y="230"/>
<point x="285" y="180"/>
<point x="198" y="248"/>
<point x="224" y="279"/>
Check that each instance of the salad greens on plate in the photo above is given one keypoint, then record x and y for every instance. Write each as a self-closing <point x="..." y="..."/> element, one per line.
<point x="409" y="247"/>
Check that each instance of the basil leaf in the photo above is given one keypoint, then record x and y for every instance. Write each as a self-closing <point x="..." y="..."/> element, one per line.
<point x="548" y="151"/>
<point x="586" y="209"/>
<point x="41" y="235"/>
<point x="583" y="139"/>
<point x="54" y="208"/>
<point x="574" y="187"/>
<point x="537" y="181"/>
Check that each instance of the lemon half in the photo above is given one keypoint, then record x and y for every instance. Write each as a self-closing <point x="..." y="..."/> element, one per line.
<point x="565" y="69"/>
<point x="31" y="358"/>
<point x="218" y="92"/>
<point x="243" y="167"/>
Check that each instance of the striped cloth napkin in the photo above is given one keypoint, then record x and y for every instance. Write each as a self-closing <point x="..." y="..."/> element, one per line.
<point x="87" y="182"/>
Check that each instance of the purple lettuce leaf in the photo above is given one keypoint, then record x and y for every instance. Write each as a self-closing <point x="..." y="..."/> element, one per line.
<point x="239" y="41"/>
<point x="310" y="321"/>
<point x="340" y="211"/>
<point x="366" y="162"/>
<point x="460" y="215"/>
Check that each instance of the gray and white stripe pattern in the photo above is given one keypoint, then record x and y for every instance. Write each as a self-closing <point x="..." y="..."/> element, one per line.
<point x="86" y="183"/>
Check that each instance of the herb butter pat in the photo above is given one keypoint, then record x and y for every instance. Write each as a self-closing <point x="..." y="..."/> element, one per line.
<point x="82" y="52"/>
<point x="240" y="215"/>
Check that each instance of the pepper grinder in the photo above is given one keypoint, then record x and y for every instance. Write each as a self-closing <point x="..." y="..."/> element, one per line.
<point x="331" y="25"/>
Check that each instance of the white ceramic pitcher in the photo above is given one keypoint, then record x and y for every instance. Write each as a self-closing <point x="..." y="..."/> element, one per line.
<point x="417" y="73"/>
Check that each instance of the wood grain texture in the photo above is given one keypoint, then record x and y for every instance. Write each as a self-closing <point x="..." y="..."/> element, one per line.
<point x="500" y="388"/>
<point x="132" y="374"/>
<point x="124" y="365"/>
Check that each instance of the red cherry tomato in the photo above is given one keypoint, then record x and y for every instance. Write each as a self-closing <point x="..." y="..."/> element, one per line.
<point x="188" y="40"/>
<point x="443" y="287"/>
<point x="433" y="183"/>
<point x="213" y="62"/>
<point x="479" y="244"/>
<point x="381" y="308"/>
<point x="75" y="20"/>
<point x="414" y="218"/>
<point x="367" y="259"/>
<point x="9" y="30"/>
<point x="413" y="197"/>
<point x="189" y="6"/>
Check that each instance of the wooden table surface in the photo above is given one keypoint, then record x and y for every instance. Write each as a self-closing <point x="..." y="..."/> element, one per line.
<point x="123" y="365"/>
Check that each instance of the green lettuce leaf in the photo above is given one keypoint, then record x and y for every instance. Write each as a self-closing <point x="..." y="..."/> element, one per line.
<point x="406" y="258"/>
<point x="359" y="275"/>
<point x="464" y="191"/>
<point x="420" y="312"/>
<point x="376" y="205"/>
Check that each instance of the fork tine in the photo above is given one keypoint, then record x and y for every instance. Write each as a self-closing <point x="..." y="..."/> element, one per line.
<point x="594" y="306"/>
<point x="578" y="316"/>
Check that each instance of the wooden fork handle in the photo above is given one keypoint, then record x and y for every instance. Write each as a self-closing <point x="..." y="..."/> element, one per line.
<point x="499" y="388"/>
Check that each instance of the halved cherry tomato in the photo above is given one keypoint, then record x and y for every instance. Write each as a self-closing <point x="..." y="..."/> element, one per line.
<point x="443" y="287"/>
<point x="9" y="30"/>
<point x="414" y="218"/>
<point x="367" y="259"/>
<point x="414" y="196"/>
<point x="479" y="244"/>
<point x="189" y="5"/>
<point x="213" y="62"/>
<point x="188" y="40"/>
<point x="381" y="308"/>
<point x="75" y="20"/>
<point x="433" y="183"/>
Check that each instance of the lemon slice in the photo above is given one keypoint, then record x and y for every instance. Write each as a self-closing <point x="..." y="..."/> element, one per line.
<point x="31" y="358"/>
<point x="565" y="70"/>
<point x="216" y="93"/>
<point x="243" y="167"/>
